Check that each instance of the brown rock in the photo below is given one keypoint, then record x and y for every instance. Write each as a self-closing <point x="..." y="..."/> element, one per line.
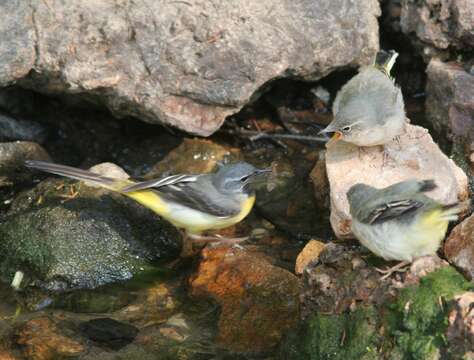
<point x="460" y="333"/>
<point x="310" y="253"/>
<point x="413" y="155"/>
<point x="450" y="99"/>
<point x="258" y="301"/>
<point x="41" y="339"/>
<point x="186" y="64"/>
<point x="193" y="156"/>
<point x="459" y="247"/>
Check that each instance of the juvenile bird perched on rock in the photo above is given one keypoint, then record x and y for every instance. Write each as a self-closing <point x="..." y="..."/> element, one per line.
<point x="369" y="109"/>
<point x="400" y="222"/>
<point x="195" y="203"/>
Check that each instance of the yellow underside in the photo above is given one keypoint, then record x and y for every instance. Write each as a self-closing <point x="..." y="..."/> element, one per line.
<point x="433" y="226"/>
<point x="199" y="222"/>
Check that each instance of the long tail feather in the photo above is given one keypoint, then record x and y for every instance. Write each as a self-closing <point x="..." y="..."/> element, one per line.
<point x="450" y="212"/>
<point x="73" y="173"/>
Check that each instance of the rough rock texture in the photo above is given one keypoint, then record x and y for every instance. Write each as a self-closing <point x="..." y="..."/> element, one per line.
<point x="351" y="314"/>
<point x="258" y="300"/>
<point x="187" y="64"/>
<point x="415" y="155"/>
<point x="439" y="23"/>
<point x="12" y="159"/>
<point x="450" y="99"/>
<point x="65" y="235"/>
<point x="459" y="247"/>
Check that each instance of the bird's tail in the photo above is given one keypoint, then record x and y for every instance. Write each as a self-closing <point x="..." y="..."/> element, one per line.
<point x="385" y="60"/>
<point x="450" y="212"/>
<point x="78" y="174"/>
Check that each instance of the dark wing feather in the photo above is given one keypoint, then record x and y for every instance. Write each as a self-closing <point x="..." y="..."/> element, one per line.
<point x="157" y="183"/>
<point x="392" y="210"/>
<point x="192" y="196"/>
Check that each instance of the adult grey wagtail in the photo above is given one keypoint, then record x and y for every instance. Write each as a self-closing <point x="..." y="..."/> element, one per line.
<point x="369" y="109"/>
<point x="400" y="222"/>
<point x="195" y="203"/>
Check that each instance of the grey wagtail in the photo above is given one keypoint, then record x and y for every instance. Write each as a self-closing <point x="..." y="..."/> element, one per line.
<point x="195" y="203"/>
<point x="369" y="109"/>
<point x="400" y="222"/>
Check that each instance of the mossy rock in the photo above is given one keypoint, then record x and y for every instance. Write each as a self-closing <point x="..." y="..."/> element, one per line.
<point x="411" y="326"/>
<point x="87" y="241"/>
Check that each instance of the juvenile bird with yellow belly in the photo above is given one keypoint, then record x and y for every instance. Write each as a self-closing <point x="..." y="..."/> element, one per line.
<point x="400" y="222"/>
<point x="195" y="203"/>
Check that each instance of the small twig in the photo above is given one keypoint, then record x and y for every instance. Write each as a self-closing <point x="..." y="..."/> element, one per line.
<point x="257" y="135"/>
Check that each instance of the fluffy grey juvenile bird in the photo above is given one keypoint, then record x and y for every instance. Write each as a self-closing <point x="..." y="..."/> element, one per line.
<point x="400" y="222"/>
<point x="369" y="109"/>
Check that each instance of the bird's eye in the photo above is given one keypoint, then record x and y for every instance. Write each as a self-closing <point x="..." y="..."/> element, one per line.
<point x="346" y="128"/>
<point x="244" y="179"/>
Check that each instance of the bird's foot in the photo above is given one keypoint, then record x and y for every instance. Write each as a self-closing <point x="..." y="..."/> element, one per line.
<point x="213" y="240"/>
<point x="400" y="267"/>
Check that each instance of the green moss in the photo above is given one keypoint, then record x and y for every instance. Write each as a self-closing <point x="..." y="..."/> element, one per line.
<point x="411" y="327"/>
<point x="344" y="336"/>
<point x="417" y="320"/>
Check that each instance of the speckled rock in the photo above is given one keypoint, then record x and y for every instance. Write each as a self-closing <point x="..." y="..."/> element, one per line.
<point x="12" y="159"/>
<point x="186" y="64"/>
<point x="414" y="155"/>
<point x="66" y="235"/>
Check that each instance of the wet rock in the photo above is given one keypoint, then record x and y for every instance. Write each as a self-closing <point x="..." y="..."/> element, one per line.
<point x="19" y="129"/>
<point x="194" y="156"/>
<point x="12" y="159"/>
<point x="187" y="65"/>
<point x="459" y="247"/>
<point x="450" y="100"/>
<point x="109" y="332"/>
<point x="41" y="339"/>
<point x="351" y="314"/>
<point x="439" y="25"/>
<point x="460" y="333"/>
<point x="414" y="155"/>
<point x="286" y="197"/>
<point x="63" y="235"/>
<point x="258" y="301"/>
<point x="309" y="254"/>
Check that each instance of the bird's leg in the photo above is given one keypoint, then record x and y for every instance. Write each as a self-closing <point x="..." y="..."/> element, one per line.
<point x="217" y="239"/>
<point x="397" y="268"/>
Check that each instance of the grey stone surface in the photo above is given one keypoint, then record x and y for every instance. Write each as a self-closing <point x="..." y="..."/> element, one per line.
<point x="188" y="64"/>
<point x="450" y="99"/>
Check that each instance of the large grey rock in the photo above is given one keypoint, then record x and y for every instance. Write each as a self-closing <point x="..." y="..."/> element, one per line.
<point x="439" y="24"/>
<point x="450" y="99"/>
<point x="63" y="235"/>
<point x="188" y="64"/>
